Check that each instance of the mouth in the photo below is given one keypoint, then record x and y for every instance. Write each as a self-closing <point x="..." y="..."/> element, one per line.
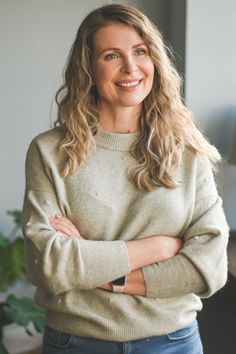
<point x="128" y="83"/>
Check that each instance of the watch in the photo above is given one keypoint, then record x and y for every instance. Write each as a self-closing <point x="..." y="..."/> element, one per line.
<point x="118" y="285"/>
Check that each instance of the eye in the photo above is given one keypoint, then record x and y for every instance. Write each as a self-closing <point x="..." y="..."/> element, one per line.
<point x="140" y="51"/>
<point x="111" y="56"/>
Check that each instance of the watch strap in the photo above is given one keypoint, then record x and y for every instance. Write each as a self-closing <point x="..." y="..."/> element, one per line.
<point x="118" y="285"/>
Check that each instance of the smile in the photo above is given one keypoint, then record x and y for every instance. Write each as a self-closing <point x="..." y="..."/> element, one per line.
<point x="128" y="84"/>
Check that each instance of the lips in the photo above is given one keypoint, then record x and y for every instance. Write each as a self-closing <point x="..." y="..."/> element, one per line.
<point x="129" y="83"/>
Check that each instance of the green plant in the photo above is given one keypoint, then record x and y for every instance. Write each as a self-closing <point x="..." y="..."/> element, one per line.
<point x="12" y="261"/>
<point x="12" y="267"/>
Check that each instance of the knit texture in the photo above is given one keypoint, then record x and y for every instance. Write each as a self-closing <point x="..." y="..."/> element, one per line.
<point x="108" y="209"/>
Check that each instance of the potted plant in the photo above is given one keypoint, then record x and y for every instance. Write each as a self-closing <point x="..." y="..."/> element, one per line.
<point x="17" y="315"/>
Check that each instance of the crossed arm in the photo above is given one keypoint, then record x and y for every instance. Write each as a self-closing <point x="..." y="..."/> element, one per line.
<point x="141" y="253"/>
<point x="169" y="268"/>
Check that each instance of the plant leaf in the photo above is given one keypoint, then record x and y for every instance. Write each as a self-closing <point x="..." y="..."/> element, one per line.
<point x="3" y="240"/>
<point x="12" y="263"/>
<point x="29" y="333"/>
<point x="23" y="311"/>
<point x="3" y="349"/>
<point x="17" y="215"/>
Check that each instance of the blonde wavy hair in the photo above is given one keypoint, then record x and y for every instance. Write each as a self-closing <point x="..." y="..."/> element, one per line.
<point x="166" y="125"/>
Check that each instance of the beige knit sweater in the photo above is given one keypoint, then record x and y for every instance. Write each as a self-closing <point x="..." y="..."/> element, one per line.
<point x="108" y="209"/>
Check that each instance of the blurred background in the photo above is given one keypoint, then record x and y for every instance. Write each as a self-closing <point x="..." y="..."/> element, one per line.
<point x="35" y="38"/>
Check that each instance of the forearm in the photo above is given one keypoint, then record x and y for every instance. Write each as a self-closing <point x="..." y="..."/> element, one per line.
<point x="135" y="284"/>
<point x="159" y="280"/>
<point x="151" y="250"/>
<point x="50" y="255"/>
<point x="200" y="267"/>
<point x="176" y="276"/>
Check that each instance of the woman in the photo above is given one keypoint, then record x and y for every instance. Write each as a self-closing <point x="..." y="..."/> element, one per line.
<point x="123" y="224"/>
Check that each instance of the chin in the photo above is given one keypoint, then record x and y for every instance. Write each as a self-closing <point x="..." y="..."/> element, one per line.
<point x="131" y="103"/>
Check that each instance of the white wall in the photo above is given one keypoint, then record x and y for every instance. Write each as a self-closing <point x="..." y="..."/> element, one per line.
<point x="211" y="81"/>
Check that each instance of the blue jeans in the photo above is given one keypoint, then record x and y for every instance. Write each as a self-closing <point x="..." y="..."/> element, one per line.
<point x="184" y="341"/>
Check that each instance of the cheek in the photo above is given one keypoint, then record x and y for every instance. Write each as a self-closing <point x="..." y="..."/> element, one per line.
<point x="104" y="78"/>
<point x="150" y="69"/>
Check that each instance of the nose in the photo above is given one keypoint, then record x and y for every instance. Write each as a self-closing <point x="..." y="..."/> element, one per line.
<point x="129" y="65"/>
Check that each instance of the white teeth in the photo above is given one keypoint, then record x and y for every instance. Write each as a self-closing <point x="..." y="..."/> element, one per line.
<point x="127" y="84"/>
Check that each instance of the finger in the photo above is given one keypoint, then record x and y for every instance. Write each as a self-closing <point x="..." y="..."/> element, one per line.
<point x="64" y="221"/>
<point x="61" y="228"/>
<point x="64" y="218"/>
<point x="61" y="220"/>
<point x="60" y="217"/>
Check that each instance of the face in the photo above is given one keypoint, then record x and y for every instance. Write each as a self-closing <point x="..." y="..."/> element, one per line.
<point x="122" y="68"/>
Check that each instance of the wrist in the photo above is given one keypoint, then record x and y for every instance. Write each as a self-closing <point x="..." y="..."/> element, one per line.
<point x="135" y="284"/>
<point x="118" y="285"/>
<point x="106" y="287"/>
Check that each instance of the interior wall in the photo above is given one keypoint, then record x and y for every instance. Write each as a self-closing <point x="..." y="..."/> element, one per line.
<point x="175" y="30"/>
<point x="211" y="82"/>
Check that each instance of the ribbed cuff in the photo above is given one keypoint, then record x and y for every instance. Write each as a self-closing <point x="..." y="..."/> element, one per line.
<point x="174" y="277"/>
<point x="104" y="261"/>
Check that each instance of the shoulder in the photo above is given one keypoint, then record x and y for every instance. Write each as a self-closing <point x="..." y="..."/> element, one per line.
<point x="45" y="146"/>
<point x="196" y="162"/>
<point x="199" y="171"/>
<point x="48" y="139"/>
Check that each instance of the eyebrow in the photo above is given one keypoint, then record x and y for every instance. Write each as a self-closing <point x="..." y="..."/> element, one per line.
<point x="118" y="49"/>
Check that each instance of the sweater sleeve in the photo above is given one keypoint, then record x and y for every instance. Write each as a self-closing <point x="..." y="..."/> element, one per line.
<point x="54" y="262"/>
<point x="201" y="265"/>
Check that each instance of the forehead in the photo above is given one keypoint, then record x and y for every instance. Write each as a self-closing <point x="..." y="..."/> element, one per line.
<point x="115" y="35"/>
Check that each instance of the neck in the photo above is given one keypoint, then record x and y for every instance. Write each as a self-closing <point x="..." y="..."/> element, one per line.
<point x="119" y="119"/>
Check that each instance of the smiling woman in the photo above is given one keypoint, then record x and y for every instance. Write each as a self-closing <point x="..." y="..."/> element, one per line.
<point x="123" y="225"/>
<point x="123" y="73"/>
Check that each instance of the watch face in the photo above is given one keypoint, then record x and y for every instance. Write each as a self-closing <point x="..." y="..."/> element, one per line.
<point x="119" y="281"/>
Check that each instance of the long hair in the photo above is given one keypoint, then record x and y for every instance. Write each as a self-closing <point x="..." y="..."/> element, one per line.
<point x="166" y="126"/>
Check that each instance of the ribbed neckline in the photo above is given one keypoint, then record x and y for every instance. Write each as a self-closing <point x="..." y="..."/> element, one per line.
<point x="115" y="141"/>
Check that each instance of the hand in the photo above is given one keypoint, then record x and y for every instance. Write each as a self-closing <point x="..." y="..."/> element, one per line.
<point x="64" y="226"/>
